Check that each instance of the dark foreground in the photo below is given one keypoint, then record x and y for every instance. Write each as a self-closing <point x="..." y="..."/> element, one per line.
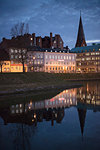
<point x="11" y="83"/>
<point x="69" y="120"/>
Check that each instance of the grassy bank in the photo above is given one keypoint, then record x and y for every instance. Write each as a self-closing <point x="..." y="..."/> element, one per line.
<point x="22" y="82"/>
<point x="36" y="77"/>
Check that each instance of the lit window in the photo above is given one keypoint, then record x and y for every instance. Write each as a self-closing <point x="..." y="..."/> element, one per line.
<point x="12" y="62"/>
<point x="16" y="51"/>
<point x="16" y="56"/>
<point x="24" y="51"/>
<point x="12" y="50"/>
<point x="4" y="69"/>
<point x="87" y="54"/>
<point x="58" y="57"/>
<point x="53" y="56"/>
<point x="12" y="56"/>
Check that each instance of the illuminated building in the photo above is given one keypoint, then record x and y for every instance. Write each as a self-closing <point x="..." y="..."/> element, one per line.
<point x="89" y="95"/>
<point x="51" y="60"/>
<point x="10" y="60"/>
<point x="55" y="62"/>
<point x="17" y="55"/>
<point x="4" y="62"/>
<point x="35" y="61"/>
<point x="88" y="57"/>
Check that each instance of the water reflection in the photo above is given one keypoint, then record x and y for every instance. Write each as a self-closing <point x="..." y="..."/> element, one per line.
<point x="25" y="117"/>
<point x="35" y="111"/>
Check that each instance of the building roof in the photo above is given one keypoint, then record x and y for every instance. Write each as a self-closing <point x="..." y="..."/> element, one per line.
<point x="47" y="49"/>
<point x="80" y="36"/>
<point x="4" y="55"/>
<point x="85" y="49"/>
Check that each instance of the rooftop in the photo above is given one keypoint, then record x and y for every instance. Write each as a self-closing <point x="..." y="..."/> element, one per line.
<point x="86" y="49"/>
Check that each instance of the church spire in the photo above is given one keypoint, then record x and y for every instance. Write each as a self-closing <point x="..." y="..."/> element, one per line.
<point x="80" y="37"/>
<point x="82" y="116"/>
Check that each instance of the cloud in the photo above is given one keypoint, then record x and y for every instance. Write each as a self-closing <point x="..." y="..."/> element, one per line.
<point x="92" y="41"/>
<point x="57" y="16"/>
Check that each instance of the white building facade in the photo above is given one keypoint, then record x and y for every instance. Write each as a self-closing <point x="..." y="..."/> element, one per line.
<point x="55" y="62"/>
<point x="51" y="62"/>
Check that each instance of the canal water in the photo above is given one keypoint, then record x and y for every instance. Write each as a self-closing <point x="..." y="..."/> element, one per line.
<point x="69" y="120"/>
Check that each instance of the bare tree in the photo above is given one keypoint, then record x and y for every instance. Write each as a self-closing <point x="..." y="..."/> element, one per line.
<point x="18" y="31"/>
<point x="27" y="29"/>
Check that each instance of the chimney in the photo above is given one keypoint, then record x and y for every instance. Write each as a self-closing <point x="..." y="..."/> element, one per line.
<point x="51" y="39"/>
<point x="34" y="39"/>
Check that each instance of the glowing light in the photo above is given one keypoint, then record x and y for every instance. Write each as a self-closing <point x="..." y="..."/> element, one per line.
<point x="61" y="98"/>
<point x="34" y="115"/>
<point x="30" y="102"/>
<point x="60" y="60"/>
<point x="52" y="99"/>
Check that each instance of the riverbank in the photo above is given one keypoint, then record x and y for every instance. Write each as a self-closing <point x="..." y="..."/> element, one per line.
<point x="17" y="83"/>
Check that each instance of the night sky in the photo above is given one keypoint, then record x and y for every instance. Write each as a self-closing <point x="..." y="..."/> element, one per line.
<point x="56" y="16"/>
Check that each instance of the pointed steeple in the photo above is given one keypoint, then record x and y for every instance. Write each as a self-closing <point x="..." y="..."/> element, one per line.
<point x="80" y="37"/>
<point x="82" y="116"/>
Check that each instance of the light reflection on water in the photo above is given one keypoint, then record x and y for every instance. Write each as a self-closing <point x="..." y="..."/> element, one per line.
<point x="73" y="115"/>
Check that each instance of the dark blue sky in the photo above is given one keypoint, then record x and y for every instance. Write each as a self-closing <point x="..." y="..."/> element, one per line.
<point x="57" y="16"/>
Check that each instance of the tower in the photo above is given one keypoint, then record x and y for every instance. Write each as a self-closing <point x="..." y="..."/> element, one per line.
<point x="51" y="39"/>
<point x="82" y="116"/>
<point x="80" y="36"/>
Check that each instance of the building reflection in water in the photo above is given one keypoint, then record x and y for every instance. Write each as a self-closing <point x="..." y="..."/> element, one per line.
<point x="90" y="94"/>
<point x="53" y="109"/>
<point x="88" y="97"/>
<point x="28" y="115"/>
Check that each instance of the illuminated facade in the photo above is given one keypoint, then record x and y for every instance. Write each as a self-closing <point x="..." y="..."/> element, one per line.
<point x="17" y="67"/>
<point x="51" y="61"/>
<point x="88" y="58"/>
<point x="89" y="96"/>
<point x="5" y="66"/>
<point x="35" y="61"/>
<point x="17" y="56"/>
<point x="55" y="62"/>
<point x="65" y="99"/>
